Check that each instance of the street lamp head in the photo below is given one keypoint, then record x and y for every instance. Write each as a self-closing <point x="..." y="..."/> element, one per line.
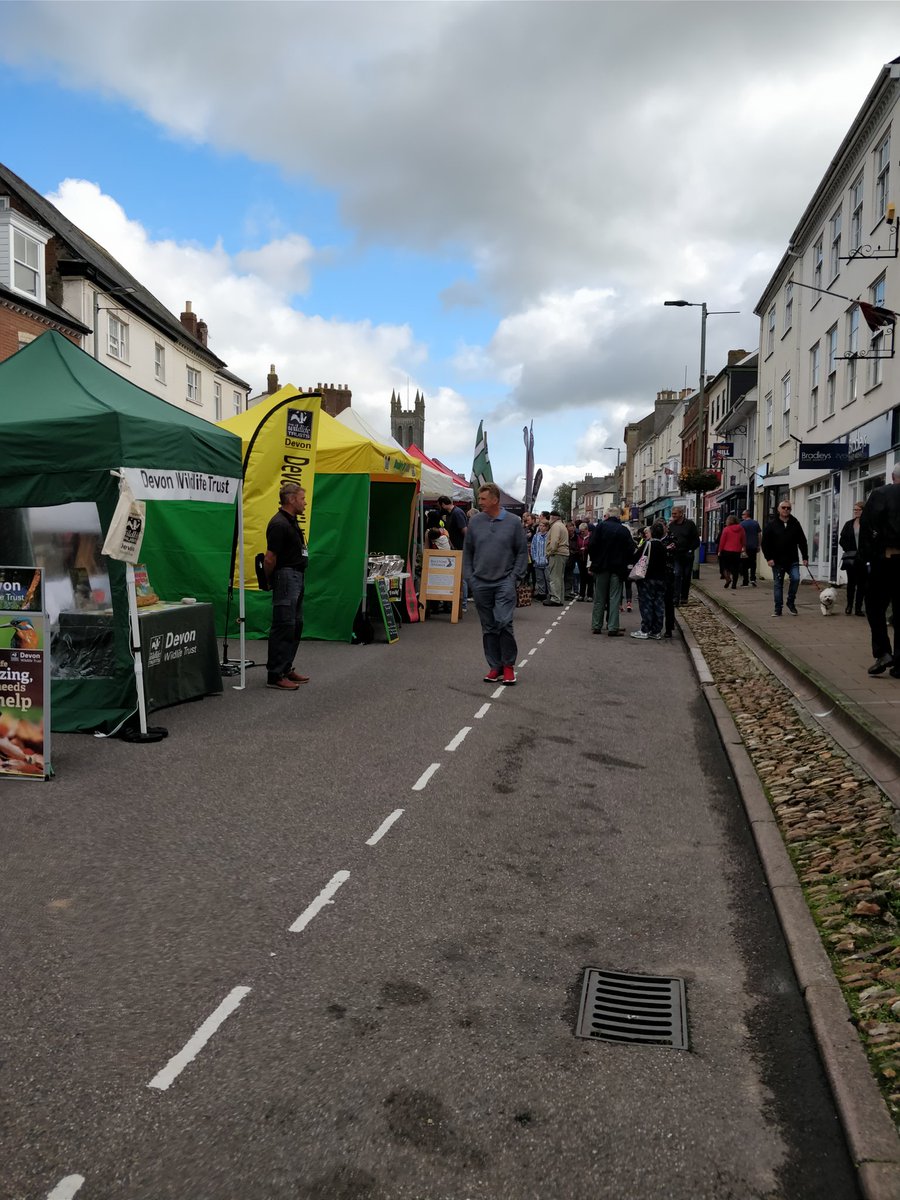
<point x="678" y="304"/>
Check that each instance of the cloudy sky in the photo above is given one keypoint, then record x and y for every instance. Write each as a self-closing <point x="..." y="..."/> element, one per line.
<point x="484" y="201"/>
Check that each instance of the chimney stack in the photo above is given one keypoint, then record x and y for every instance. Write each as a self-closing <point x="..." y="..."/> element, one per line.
<point x="271" y="381"/>
<point x="189" y="319"/>
<point x="202" y="332"/>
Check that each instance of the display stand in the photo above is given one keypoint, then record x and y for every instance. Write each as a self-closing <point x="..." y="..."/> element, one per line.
<point x="24" y="675"/>
<point x="388" y="616"/>
<point x="442" y="578"/>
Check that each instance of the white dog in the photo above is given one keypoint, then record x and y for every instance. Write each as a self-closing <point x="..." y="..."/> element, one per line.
<point x="827" y="597"/>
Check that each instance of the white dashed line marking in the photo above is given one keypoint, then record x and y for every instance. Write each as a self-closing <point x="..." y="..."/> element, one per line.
<point x="66" y="1188"/>
<point x="533" y="650"/>
<point x="385" y="826"/>
<point x="323" y="898"/>
<point x="482" y="712"/>
<point x="178" y="1062"/>
<point x="459" y="739"/>
<point x="541" y="641"/>
<point x="499" y="692"/>
<point x="422" y="781"/>
<point x="547" y="632"/>
<point x="523" y="663"/>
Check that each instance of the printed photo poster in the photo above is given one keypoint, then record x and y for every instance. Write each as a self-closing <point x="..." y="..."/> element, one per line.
<point x="24" y="681"/>
<point x="20" y="589"/>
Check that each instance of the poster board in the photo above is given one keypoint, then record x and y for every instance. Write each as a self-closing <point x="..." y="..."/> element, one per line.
<point x="388" y="616"/>
<point x="442" y="578"/>
<point x="24" y="675"/>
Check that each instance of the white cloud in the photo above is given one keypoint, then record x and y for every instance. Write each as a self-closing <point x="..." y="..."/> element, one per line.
<point x="245" y="301"/>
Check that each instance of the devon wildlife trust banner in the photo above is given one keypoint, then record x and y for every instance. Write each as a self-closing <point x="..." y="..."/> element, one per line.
<point x="24" y="675"/>
<point x="283" y="450"/>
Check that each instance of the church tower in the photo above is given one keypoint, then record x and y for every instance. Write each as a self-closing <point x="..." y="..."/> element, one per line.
<point x="408" y="425"/>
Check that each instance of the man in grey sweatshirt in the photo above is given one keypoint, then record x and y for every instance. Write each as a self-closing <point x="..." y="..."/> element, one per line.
<point x="495" y="557"/>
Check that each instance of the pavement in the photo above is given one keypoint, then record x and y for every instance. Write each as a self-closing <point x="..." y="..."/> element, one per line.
<point x="396" y="877"/>
<point x="833" y="654"/>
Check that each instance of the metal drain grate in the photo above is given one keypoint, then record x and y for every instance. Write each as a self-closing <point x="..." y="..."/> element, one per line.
<point x="649" y="1009"/>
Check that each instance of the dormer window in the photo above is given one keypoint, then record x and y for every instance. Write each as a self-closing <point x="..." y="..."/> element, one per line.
<point x="28" y="258"/>
<point x="22" y="257"/>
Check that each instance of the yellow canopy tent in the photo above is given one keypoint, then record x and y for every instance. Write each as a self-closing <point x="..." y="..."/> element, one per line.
<point x="360" y="495"/>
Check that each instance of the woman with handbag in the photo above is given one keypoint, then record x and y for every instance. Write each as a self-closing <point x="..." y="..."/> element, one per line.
<point x="856" y="570"/>
<point x="649" y="572"/>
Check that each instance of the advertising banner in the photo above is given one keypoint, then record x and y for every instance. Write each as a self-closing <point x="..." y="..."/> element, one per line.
<point x="24" y="675"/>
<point x="284" y="451"/>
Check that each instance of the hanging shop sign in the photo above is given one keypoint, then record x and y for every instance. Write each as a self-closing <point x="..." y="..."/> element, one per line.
<point x="823" y="456"/>
<point x="24" y="675"/>
<point x="723" y="449"/>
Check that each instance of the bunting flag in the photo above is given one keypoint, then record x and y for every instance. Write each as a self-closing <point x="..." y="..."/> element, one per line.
<point x="876" y="318"/>
<point x="481" y="463"/>
<point x="528" y="434"/>
<point x="538" y="480"/>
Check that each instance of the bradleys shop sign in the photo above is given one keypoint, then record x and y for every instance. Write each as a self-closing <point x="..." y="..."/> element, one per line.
<point x="824" y="456"/>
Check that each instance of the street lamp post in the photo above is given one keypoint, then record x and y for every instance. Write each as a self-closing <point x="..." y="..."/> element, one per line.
<point x="701" y="409"/>
<point x="618" y="480"/>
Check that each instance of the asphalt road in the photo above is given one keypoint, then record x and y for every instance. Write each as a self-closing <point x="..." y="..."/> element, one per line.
<point x="412" y="1037"/>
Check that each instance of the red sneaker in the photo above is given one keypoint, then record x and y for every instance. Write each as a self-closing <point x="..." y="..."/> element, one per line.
<point x="493" y="675"/>
<point x="509" y="675"/>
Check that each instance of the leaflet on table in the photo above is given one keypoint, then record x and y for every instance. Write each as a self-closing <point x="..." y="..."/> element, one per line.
<point x="24" y="675"/>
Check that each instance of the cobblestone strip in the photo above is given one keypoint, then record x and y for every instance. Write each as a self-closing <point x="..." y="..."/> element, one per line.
<point x="836" y="824"/>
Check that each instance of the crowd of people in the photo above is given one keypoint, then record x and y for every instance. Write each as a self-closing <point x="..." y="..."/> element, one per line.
<point x="600" y="564"/>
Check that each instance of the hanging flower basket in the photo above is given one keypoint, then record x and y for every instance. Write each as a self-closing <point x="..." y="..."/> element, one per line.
<point x="695" y="479"/>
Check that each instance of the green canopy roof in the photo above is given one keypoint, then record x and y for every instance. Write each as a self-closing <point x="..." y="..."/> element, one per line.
<point x="62" y="413"/>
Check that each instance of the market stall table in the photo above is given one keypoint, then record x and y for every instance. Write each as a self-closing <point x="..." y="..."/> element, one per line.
<point x="178" y="650"/>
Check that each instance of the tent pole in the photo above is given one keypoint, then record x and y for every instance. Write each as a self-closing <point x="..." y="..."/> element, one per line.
<point x="157" y="733"/>
<point x="241" y="607"/>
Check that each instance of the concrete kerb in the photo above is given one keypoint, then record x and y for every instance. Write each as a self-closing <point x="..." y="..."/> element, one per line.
<point x="867" y="1124"/>
<point x="875" y="747"/>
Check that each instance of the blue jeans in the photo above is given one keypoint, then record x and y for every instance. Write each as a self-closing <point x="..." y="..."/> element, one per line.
<point x="684" y="567"/>
<point x="778" y="573"/>
<point x="287" y="622"/>
<point x="496" y="605"/>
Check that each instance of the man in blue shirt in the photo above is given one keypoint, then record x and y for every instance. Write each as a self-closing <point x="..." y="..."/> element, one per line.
<point x="752" y="531"/>
<point x="495" y="558"/>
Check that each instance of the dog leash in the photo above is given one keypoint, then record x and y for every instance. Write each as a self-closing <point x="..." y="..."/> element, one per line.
<point x="815" y="582"/>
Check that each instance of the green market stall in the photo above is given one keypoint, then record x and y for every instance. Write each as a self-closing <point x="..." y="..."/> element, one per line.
<point x="361" y="501"/>
<point x="67" y="424"/>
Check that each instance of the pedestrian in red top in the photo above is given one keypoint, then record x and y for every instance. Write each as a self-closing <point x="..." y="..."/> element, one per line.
<point x="732" y="544"/>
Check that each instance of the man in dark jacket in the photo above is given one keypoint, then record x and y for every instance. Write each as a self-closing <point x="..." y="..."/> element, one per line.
<point x="682" y="540"/>
<point x="879" y="546"/>
<point x="783" y="545"/>
<point x="610" y="554"/>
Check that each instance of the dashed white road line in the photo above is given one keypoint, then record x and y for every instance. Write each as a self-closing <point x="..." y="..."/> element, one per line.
<point x="422" y="781"/>
<point x="533" y="650"/>
<point x="523" y="663"/>
<point x="482" y="712"/>
<point x="66" y="1188"/>
<point x="323" y="898"/>
<point x="192" y="1048"/>
<point x="499" y="692"/>
<point x="541" y="641"/>
<point x="459" y="738"/>
<point x="385" y="826"/>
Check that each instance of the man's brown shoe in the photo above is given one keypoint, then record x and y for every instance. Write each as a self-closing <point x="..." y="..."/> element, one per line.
<point x="283" y="685"/>
<point x="295" y="678"/>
